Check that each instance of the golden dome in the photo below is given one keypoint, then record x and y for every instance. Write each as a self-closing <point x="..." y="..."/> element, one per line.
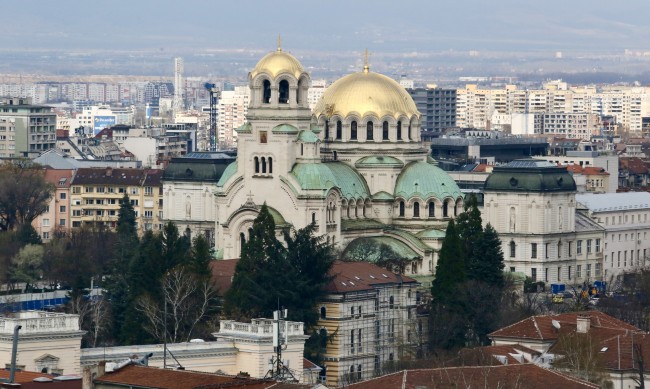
<point x="276" y="63"/>
<point x="365" y="93"/>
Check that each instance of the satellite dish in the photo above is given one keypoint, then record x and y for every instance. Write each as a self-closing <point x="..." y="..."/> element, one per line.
<point x="556" y="324"/>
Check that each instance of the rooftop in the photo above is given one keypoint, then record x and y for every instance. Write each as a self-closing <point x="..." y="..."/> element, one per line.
<point x="610" y="202"/>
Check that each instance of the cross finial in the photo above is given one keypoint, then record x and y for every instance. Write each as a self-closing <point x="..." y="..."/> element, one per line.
<point x="279" y="43"/>
<point x="366" y="67"/>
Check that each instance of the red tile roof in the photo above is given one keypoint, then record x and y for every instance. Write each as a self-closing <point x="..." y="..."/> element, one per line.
<point x="151" y="377"/>
<point x="222" y="272"/>
<point x="356" y="276"/>
<point x="307" y="364"/>
<point x="594" y="170"/>
<point x="505" y="376"/>
<point x="634" y="165"/>
<point x="23" y="376"/>
<point x="541" y="327"/>
<point x="487" y="355"/>
<point x="56" y="177"/>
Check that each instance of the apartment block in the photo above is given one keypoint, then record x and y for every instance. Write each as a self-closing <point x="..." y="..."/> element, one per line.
<point x="437" y="106"/>
<point x="26" y="130"/>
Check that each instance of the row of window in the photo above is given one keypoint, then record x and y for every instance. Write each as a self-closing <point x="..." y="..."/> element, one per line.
<point x="625" y="219"/>
<point x="640" y="260"/>
<point x="263" y="165"/>
<point x="579" y="251"/>
<point x="148" y="190"/>
<point x="578" y="272"/>
<point x="431" y="209"/>
<point x="370" y="131"/>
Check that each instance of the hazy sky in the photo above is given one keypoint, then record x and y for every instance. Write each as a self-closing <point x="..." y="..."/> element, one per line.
<point x="380" y="25"/>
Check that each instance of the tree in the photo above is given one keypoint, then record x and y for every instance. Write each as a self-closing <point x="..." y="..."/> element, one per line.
<point x="488" y="263"/>
<point x="24" y="193"/>
<point x="27" y="265"/>
<point x="175" y="247"/>
<point x="187" y="300"/>
<point x="580" y="356"/>
<point x="450" y="269"/>
<point x="469" y="227"/>
<point x="200" y="257"/>
<point x="365" y="250"/>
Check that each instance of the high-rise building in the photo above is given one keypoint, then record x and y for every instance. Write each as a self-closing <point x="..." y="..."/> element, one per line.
<point x="231" y="113"/>
<point x="437" y="106"/>
<point x="25" y="130"/>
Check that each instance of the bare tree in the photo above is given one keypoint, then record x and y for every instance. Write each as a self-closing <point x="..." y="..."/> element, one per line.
<point x="24" y="193"/>
<point x="93" y="316"/>
<point x="187" y="301"/>
<point x="580" y="356"/>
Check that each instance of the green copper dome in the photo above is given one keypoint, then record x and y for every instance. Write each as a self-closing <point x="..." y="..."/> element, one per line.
<point x="530" y="175"/>
<point x="425" y="180"/>
<point x="325" y="176"/>
<point x="307" y="137"/>
<point x="227" y="173"/>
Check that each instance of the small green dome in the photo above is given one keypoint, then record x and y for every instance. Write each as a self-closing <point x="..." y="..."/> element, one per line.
<point x="325" y="176"/>
<point x="227" y="173"/>
<point x="307" y="137"/>
<point x="379" y="161"/>
<point x="425" y="180"/>
<point x="284" y="129"/>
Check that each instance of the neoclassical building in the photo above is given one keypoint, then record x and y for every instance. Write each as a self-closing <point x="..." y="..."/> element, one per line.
<point x="355" y="166"/>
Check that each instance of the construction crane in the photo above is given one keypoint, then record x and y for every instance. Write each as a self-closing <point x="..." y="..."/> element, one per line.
<point x="215" y="94"/>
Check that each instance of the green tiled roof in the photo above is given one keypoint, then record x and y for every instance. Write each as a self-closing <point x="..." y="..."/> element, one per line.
<point x="278" y="219"/>
<point x="307" y="137"/>
<point x="425" y="180"/>
<point x="431" y="233"/>
<point x="246" y="127"/>
<point x="530" y="175"/>
<point x="399" y="247"/>
<point x="314" y="128"/>
<point x="379" y="161"/>
<point x="196" y="170"/>
<point x="284" y="129"/>
<point x="325" y="176"/>
<point x="229" y="172"/>
<point x="383" y="196"/>
<point x="360" y="224"/>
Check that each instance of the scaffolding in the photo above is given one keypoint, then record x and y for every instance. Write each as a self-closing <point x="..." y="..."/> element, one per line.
<point x="373" y="330"/>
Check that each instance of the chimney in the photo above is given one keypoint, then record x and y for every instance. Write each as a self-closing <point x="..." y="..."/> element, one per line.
<point x="583" y="324"/>
<point x="109" y="171"/>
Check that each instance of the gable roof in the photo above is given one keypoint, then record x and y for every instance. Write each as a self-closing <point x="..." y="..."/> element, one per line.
<point x="540" y="328"/>
<point x="357" y="276"/>
<point x="528" y="375"/>
<point x="222" y="272"/>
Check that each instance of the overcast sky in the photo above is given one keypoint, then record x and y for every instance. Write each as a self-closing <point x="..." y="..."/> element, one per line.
<point x="380" y="25"/>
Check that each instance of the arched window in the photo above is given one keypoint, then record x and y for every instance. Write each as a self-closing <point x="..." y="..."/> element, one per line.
<point x="353" y="130"/>
<point x="384" y="131"/>
<point x="408" y="134"/>
<point x="339" y="129"/>
<point x="266" y="91"/>
<point x="445" y="208"/>
<point x="456" y="209"/>
<point x="302" y="149"/>
<point x="335" y="155"/>
<point x="263" y="165"/>
<point x="283" y="97"/>
<point x="323" y="313"/>
<point x="270" y="165"/>
<point x="432" y="209"/>
<point x="512" y="249"/>
<point x="401" y="209"/>
<point x="327" y="129"/>
<point x="313" y="217"/>
<point x="399" y="130"/>
<point x="416" y="209"/>
<point x="242" y="241"/>
<point x="257" y="165"/>
<point x="359" y="370"/>
<point x="369" y="131"/>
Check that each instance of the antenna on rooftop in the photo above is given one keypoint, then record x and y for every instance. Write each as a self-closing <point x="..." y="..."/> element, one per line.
<point x="556" y="324"/>
<point x="279" y="369"/>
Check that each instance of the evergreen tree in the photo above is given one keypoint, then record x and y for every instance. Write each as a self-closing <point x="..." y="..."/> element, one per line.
<point x="450" y="269"/>
<point x="259" y="272"/>
<point x="489" y="269"/>
<point x="200" y="257"/>
<point x="469" y="227"/>
<point x="175" y="247"/>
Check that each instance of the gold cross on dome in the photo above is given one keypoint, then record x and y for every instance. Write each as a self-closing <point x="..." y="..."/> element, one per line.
<point x="279" y="43"/>
<point x="366" y="67"/>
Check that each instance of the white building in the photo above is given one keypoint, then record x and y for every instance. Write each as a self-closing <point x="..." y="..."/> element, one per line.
<point x="625" y="218"/>
<point x="315" y="92"/>
<point x="588" y="159"/>
<point x="532" y="205"/>
<point x="232" y="109"/>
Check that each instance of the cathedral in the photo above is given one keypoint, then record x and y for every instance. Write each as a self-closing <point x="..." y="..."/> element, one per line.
<point x="355" y="166"/>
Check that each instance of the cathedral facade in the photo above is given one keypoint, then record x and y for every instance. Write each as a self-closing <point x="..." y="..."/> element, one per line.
<point x="355" y="166"/>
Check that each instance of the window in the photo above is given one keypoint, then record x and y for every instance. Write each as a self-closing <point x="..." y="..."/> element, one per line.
<point x="76" y="212"/>
<point x="323" y="312"/>
<point x="533" y="250"/>
<point x="559" y="249"/>
<point x="148" y="214"/>
<point x="578" y="271"/>
<point x="597" y="245"/>
<point x="384" y="131"/>
<point x="62" y="196"/>
<point x="148" y="191"/>
<point x="559" y="272"/>
<point x="89" y="189"/>
<point x="352" y="311"/>
<point x="569" y="272"/>
<point x="570" y="249"/>
<point x="62" y="222"/>
<point x="588" y="270"/>
<point x="399" y="130"/>
<point x="546" y="250"/>
<point x="445" y="208"/>
<point x="134" y="191"/>
<point x="353" y="130"/>
<point x="588" y="246"/>
<point x="76" y="189"/>
<point x="270" y="165"/>
<point x="266" y="92"/>
<point x="76" y="224"/>
<point x="352" y="341"/>
<point x="512" y="249"/>
<point x="46" y="235"/>
<point x="100" y="189"/>
<point x="432" y="209"/>
<point x="283" y="97"/>
<point x="61" y="208"/>
<point x="257" y="164"/>
<point x="391" y="302"/>
<point x="579" y="247"/>
<point x="416" y="209"/>
<point x="598" y="269"/>
<point x="512" y="269"/>
<point x="369" y="131"/>
<point x="533" y="274"/>
<point x="46" y="222"/>
<point x="401" y="209"/>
